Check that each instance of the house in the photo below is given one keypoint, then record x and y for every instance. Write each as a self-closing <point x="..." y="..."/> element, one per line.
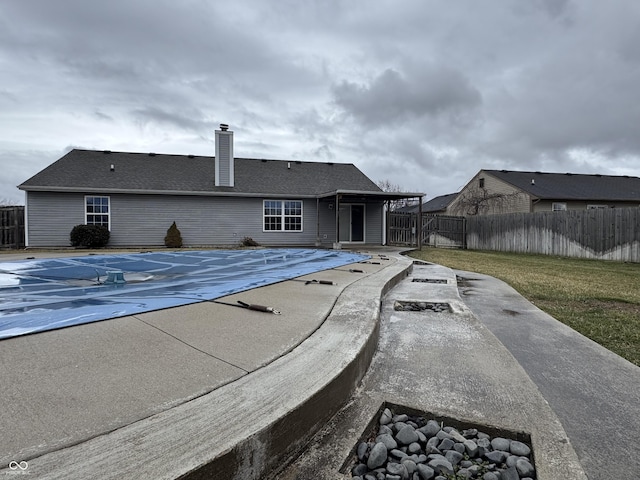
<point x="437" y="205"/>
<point x="213" y="200"/>
<point x="507" y="191"/>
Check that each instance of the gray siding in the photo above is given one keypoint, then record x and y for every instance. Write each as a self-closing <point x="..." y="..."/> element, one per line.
<point x="143" y="220"/>
<point x="373" y="223"/>
<point x="327" y="223"/>
<point x="51" y="216"/>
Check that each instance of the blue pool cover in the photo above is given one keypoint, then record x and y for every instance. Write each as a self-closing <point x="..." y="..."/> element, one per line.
<point x="45" y="294"/>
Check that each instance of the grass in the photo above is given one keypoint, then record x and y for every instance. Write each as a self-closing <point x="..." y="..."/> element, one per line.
<point x="597" y="298"/>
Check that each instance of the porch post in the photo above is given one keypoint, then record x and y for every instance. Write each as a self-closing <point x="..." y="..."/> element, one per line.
<point x="318" y="242"/>
<point x="387" y="225"/>
<point x="419" y="223"/>
<point x="337" y="220"/>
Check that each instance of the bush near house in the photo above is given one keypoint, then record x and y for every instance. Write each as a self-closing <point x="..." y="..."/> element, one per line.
<point x="173" y="239"/>
<point x="249" y="242"/>
<point x="89" y="236"/>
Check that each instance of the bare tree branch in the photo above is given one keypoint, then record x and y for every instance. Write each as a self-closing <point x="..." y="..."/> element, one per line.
<point x="479" y="201"/>
<point x="387" y="186"/>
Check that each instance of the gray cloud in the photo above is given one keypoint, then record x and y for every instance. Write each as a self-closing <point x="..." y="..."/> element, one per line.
<point x="392" y="97"/>
<point x="421" y="92"/>
<point x="193" y="122"/>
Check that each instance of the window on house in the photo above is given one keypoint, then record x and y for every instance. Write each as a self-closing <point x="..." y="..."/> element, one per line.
<point x="282" y="215"/>
<point x="558" y="207"/>
<point x="481" y="182"/>
<point x="594" y="207"/>
<point x="97" y="211"/>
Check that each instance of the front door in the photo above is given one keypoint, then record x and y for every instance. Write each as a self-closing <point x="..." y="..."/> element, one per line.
<point x="351" y="223"/>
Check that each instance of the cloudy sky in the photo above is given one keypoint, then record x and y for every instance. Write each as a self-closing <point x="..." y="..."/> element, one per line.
<point x="422" y="93"/>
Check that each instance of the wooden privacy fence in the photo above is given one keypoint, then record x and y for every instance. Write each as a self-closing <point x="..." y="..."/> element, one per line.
<point x="12" y="227"/>
<point x="607" y="234"/>
<point x="402" y="228"/>
<point x="436" y="230"/>
<point x="443" y="231"/>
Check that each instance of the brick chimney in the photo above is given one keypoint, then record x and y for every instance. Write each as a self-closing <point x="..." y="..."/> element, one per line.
<point x="224" y="157"/>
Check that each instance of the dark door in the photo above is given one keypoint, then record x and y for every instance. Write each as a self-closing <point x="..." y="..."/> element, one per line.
<point x="357" y="223"/>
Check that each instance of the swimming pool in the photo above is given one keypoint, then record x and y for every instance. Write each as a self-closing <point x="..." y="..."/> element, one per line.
<point x="46" y="294"/>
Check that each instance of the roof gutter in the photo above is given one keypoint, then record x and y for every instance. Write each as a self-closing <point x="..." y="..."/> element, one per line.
<point x="385" y="195"/>
<point x="162" y="192"/>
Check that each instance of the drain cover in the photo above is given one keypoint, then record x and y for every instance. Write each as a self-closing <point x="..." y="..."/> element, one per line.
<point x="429" y="280"/>
<point x="417" y="306"/>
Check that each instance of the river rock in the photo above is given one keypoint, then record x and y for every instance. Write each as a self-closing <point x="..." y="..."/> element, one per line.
<point x="519" y="448"/>
<point x="377" y="456"/>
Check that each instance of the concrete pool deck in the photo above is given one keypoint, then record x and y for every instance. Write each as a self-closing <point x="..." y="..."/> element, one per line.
<point x="67" y="389"/>
<point x="229" y="393"/>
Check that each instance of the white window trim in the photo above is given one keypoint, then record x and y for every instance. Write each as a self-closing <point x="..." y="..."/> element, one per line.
<point x="558" y="206"/>
<point x="283" y="216"/>
<point x="108" y="214"/>
<point x="596" y="206"/>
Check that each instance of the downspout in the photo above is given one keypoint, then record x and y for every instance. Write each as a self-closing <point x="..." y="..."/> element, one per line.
<point x="532" y="204"/>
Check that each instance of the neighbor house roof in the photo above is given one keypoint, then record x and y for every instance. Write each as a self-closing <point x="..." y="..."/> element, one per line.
<point x="439" y="204"/>
<point x="91" y="171"/>
<point x="436" y="204"/>
<point x="572" y="186"/>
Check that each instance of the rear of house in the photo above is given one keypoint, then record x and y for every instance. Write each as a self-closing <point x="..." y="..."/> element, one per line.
<point x="215" y="201"/>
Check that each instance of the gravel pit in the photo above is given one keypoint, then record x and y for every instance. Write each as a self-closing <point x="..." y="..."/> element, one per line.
<point x="419" y="306"/>
<point x="404" y="444"/>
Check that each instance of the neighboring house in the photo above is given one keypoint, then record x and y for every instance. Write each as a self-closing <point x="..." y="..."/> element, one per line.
<point x="437" y="205"/>
<point x="213" y="200"/>
<point x="506" y="191"/>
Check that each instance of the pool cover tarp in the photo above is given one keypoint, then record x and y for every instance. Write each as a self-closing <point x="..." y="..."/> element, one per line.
<point x="46" y="294"/>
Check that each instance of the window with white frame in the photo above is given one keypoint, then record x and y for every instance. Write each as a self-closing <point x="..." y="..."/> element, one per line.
<point x="558" y="207"/>
<point x="282" y="215"/>
<point x="596" y="207"/>
<point x="97" y="211"/>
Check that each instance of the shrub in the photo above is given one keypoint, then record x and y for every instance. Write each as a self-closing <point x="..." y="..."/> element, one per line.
<point x="89" y="236"/>
<point x="173" y="239"/>
<point x="249" y="242"/>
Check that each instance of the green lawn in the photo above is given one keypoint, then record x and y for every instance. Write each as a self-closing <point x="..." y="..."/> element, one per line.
<point x="599" y="299"/>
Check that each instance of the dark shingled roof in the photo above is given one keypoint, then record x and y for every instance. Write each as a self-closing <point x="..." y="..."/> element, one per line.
<point x="572" y="186"/>
<point x="90" y="170"/>
<point x="439" y="204"/>
<point x="436" y="204"/>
